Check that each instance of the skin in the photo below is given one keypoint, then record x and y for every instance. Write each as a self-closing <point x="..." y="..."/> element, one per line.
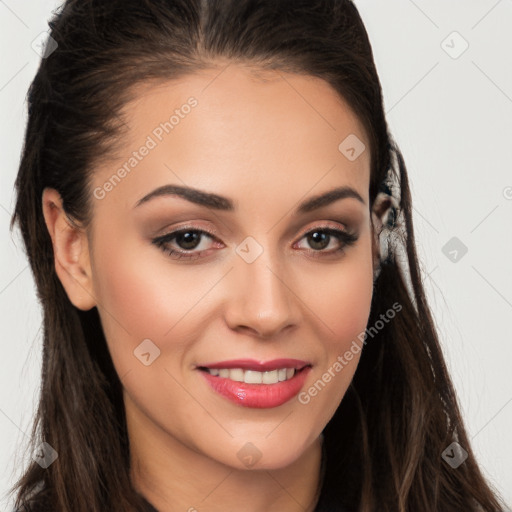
<point x="268" y="142"/>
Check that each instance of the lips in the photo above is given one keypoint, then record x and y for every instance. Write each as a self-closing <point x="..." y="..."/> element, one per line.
<point x="256" y="384"/>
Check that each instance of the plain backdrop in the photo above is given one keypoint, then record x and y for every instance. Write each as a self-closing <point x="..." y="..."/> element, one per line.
<point x="446" y="73"/>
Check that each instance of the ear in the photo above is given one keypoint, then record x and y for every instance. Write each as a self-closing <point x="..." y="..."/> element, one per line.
<point x="381" y="207"/>
<point x="71" y="251"/>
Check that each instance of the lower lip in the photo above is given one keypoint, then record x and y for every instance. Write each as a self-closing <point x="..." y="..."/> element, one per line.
<point x="260" y="396"/>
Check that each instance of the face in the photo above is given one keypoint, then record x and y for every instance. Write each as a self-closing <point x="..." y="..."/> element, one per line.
<point x="244" y="279"/>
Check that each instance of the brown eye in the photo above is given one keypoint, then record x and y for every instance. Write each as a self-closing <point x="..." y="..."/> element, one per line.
<point x="186" y="240"/>
<point x="320" y="238"/>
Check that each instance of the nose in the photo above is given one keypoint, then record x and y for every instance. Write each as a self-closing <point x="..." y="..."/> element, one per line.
<point x="262" y="302"/>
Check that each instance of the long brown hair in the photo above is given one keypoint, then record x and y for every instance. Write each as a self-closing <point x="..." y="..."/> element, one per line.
<point x="385" y="442"/>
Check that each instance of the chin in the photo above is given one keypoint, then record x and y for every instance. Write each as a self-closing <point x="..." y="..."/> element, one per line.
<point x="275" y="452"/>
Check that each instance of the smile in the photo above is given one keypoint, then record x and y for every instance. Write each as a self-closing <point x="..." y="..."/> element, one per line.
<point x="253" y="376"/>
<point x="253" y="384"/>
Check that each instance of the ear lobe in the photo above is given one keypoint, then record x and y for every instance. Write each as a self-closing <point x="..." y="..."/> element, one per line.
<point x="71" y="251"/>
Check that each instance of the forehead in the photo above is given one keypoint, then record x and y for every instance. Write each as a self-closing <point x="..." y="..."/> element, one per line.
<point x="236" y="129"/>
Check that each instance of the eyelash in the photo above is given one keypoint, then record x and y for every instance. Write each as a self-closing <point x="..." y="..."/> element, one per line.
<point x="347" y="240"/>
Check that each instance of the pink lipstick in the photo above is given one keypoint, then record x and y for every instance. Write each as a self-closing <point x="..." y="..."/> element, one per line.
<point x="257" y="384"/>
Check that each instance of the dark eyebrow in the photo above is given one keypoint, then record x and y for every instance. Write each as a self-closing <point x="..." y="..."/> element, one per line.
<point x="190" y="194"/>
<point x="329" y="197"/>
<point x="223" y="203"/>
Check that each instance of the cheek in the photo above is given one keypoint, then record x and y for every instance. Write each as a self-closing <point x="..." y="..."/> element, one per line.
<point x="139" y="299"/>
<point x="349" y="315"/>
<point x="342" y="306"/>
<point x="341" y="296"/>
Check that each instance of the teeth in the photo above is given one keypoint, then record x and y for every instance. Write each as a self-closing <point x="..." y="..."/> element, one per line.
<point x="254" y="377"/>
<point x="270" y="377"/>
<point x="236" y="374"/>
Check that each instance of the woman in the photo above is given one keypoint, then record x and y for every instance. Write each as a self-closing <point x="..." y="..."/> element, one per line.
<point x="219" y="226"/>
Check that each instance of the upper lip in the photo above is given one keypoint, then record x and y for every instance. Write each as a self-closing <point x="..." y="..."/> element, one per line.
<point x="260" y="366"/>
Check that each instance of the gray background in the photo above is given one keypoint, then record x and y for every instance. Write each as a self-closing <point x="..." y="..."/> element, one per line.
<point x="451" y="115"/>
